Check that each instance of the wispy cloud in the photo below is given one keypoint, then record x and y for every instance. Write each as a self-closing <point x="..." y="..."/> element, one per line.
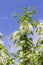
<point x="6" y="17"/>
<point x="3" y="18"/>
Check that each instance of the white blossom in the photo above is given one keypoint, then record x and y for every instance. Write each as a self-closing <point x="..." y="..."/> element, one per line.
<point x="16" y="36"/>
<point x="22" y="41"/>
<point x="21" y="60"/>
<point x="21" y="53"/>
<point x="22" y="31"/>
<point x="26" y="27"/>
<point x="21" y="26"/>
<point x="29" y="55"/>
<point x="30" y="27"/>
<point x="1" y="34"/>
<point x="40" y="29"/>
<point x="15" y="33"/>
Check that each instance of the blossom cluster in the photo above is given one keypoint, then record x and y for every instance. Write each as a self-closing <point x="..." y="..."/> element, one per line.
<point x="40" y="28"/>
<point x="5" y="58"/>
<point x="24" y="28"/>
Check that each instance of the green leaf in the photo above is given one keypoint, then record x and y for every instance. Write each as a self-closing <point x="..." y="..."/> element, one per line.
<point x="29" y="19"/>
<point x="35" y="23"/>
<point x="18" y="45"/>
<point x="13" y="54"/>
<point x="24" y="8"/>
<point x="15" y="16"/>
<point x="19" y="20"/>
<point x="41" y="42"/>
<point x="30" y="39"/>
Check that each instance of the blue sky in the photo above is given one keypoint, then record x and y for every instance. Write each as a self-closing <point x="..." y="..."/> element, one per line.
<point x="7" y="23"/>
